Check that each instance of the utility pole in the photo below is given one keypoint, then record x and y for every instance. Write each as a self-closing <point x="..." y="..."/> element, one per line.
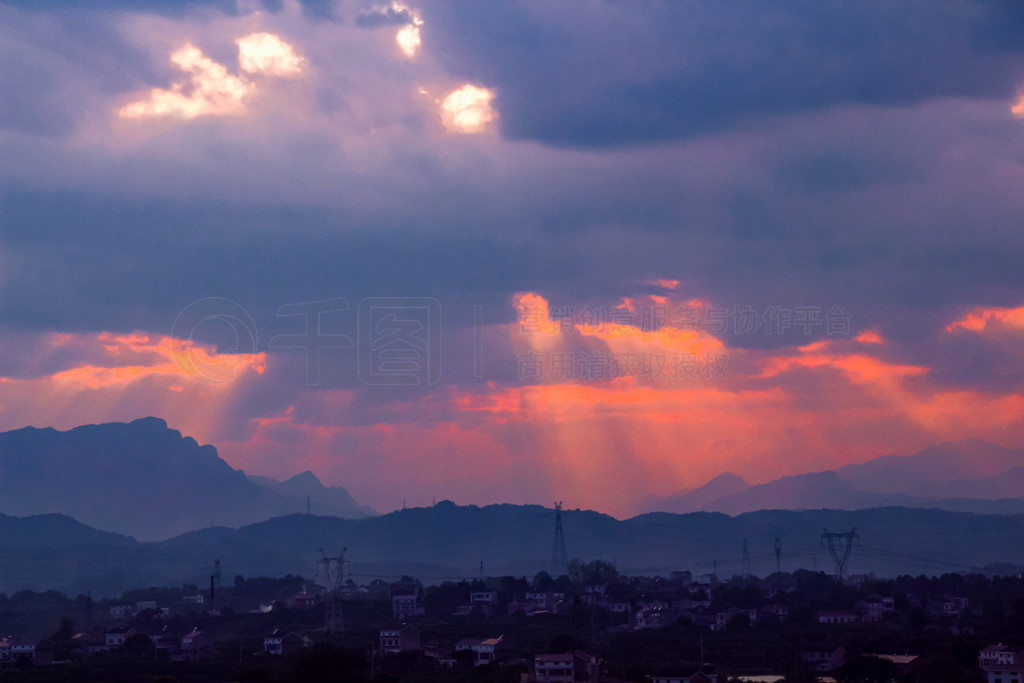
<point x="746" y="560"/>
<point x="840" y="546"/>
<point x="559" y="559"/>
<point x="334" y="570"/>
<point x="778" y="555"/>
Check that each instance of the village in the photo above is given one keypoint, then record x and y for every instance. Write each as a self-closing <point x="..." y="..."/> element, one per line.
<point x="596" y="626"/>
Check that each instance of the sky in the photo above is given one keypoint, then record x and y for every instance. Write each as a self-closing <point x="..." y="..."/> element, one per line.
<point x="516" y="251"/>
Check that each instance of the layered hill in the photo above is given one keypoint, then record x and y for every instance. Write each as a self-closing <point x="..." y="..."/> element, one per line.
<point x="447" y="541"/>
<point x="145" y="480"/>
<point x="964" y="476"/>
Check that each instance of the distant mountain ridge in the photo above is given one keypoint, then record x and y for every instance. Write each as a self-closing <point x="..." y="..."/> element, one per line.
<point x="964" y="476"/>
<point x="145" y="480"/>
<point x="448" y="541"/>
<point x="322" y="499"/>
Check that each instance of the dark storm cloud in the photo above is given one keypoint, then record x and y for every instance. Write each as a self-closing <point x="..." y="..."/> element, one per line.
<point x="992" y="361"/>
<point x="822" y="210"/>
<point x="86" y="264"/>
<point x="666" y="71"/>
<point x="373" y="17"/>
<point x="37" y="107"/>
<point x="171" y="8"/>
<point x="55" y="69"/>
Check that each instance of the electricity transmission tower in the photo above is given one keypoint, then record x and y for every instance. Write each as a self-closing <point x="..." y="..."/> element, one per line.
<point x="840" y="546"/>
<point x="559" y="559"/>
<point x="333" y="571"/>
<point x="778" y="555"/>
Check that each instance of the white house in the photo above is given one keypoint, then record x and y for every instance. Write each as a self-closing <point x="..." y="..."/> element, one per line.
<point x="553" y="668"/>
<point x="1002" y="663"/>
<point x="399" y="638"/>
<point x="485" y="650"/>
<point x="116" y="636"/>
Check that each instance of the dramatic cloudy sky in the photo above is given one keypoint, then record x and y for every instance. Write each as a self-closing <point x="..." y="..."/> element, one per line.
<point x="524" y="252"/>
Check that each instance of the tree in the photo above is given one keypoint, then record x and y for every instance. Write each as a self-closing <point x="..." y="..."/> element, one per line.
<point x="917" y="619"/>
<point x="867" y="670"/>
<point x="139" y="646"/>
<point x="543" y="582"/>
<point x="66" y="631"/>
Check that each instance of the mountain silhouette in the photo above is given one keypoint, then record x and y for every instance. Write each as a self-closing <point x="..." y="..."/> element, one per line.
<point x="962" y="476"/>
<point x="140" y="478"/>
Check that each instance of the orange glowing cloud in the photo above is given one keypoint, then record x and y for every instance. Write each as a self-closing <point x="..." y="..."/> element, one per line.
<point x="128" y="376"/>
<point x="468" y="110"/>
<point x="408" y="40"/>
<point x="267" y="54"/>
<point x="1017" y="108"/>
<point x="607" y="442"/>
<point x="870" y="337"/>
<point x="978" y="319"/>
<point x="208" y="89"/>
<point x="823" y="404"/>
<point x="637" y="341"/>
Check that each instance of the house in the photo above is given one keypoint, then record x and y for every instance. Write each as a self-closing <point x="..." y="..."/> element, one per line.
<point x="166" y="643"/>
<point x="654" y="616"/>
<point x="442" y="651"/>
<point x="837" y="616"/>
<point x="484" y="601"/>
<point x="947" y="606"/>
<point x="282" y="644"/>
<point x="903" y="662"/>
<point x="779" y="612"/>
<point x="399" y="639"/>
<point x="871" y="608"/>
<point x="485" y="650"/>
<point x="144" y="604"/>
<point x="587" y="667"/>
<point x="823" y="657"/>
<point x="1002" y="663"/>
<point x="23" y="651"/>
<point x="616" y="607"/>
<point x="43" y="652"/>
<point x="544" y="601"/>
<point x="704" y="674"/>
<point x="722" y="619"/>
<point x="480" y="602"/>
<point x="304" y="600"/>
<point x="553" y="668"/>
<point x="116" y="636"/>
<point x="405" y="601"/>
<point x="120" y="611"/>
<point x="197" y="645"/>
<point x="5" y="650"/>
<point x="578" y="667"/>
